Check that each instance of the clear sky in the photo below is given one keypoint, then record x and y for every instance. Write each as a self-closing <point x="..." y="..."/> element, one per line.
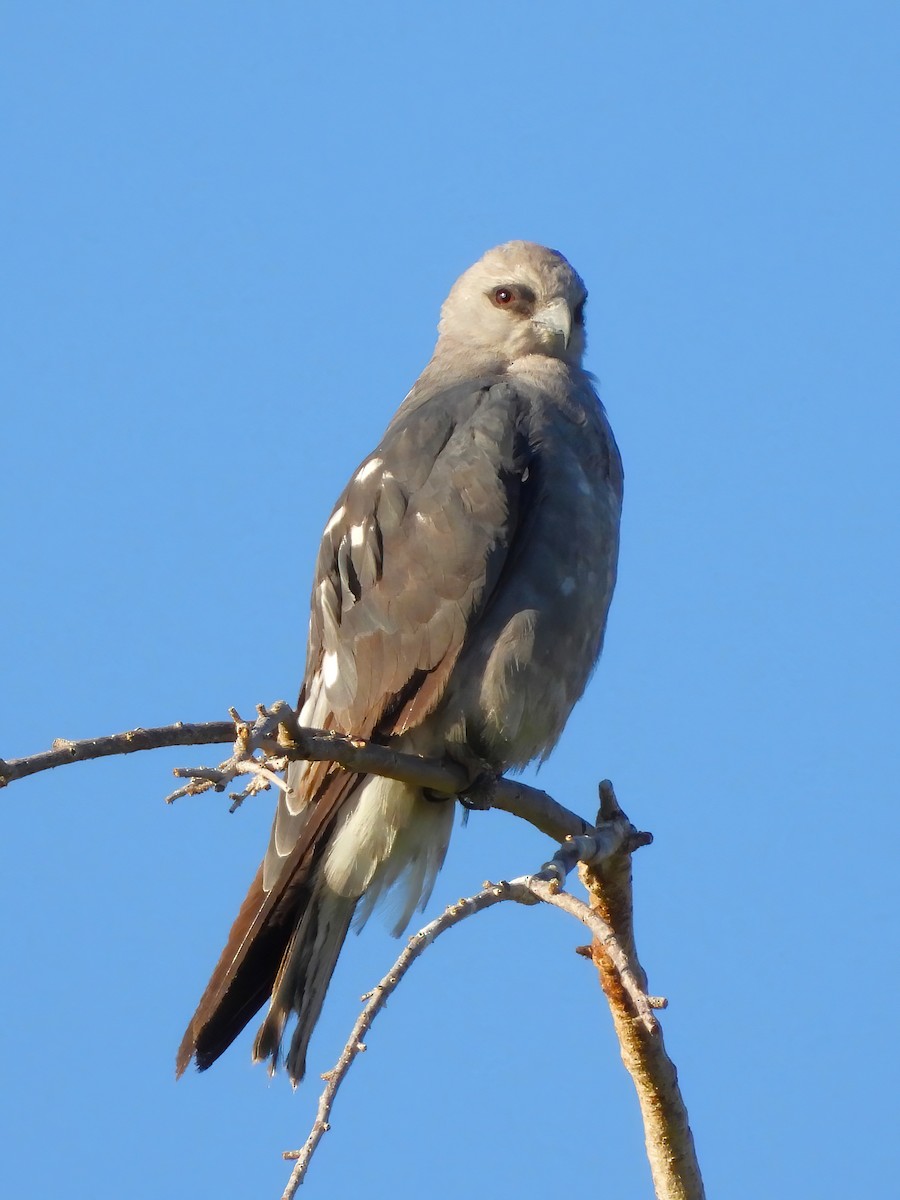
<point x="228" y="231"/>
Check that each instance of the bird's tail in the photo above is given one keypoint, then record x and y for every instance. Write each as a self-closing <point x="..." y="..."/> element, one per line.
<point x="303" y="978"/>
<point x="363" y="836"/>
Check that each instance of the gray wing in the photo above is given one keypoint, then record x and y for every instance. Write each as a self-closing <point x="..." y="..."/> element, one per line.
<point x="409" y="559"/>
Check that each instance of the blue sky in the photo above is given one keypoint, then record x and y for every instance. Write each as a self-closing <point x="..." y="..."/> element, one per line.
<point x="229" y="228"/>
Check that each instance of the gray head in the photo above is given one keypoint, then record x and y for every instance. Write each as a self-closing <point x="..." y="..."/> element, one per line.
<point x="519" y="299"/>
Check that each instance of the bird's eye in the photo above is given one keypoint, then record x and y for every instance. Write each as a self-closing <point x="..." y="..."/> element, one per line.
<point x="579" y="312"/>
<point x="504" y="296"/>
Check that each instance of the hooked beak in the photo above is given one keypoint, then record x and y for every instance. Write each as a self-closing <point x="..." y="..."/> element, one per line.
<point x="556" y="320"/>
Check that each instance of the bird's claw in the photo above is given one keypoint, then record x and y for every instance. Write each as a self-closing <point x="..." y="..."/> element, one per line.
<point x="476" y="793"/>
<point x="477" y="796"/>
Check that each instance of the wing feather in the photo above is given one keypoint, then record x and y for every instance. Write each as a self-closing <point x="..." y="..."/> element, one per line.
<point x="408" y="561"/>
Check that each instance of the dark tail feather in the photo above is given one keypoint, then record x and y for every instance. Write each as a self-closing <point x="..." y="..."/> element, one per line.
<point x="303" y="979"/>
<point x="240" y="984"/>
<point x="286" y="939"/>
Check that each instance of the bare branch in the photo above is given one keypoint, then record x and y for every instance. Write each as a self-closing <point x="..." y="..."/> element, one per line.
<point x="669" y="1141"/>
<point x="528" y="889"/>
<point x="64" y="751"/>
<point x="603" y="842"/>
<point x="276" y="732"/>
<point x="604" y="935"/>
<point x="263" y="747"/>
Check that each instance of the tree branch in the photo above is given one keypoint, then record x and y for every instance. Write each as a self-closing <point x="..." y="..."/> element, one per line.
<point x="276" y="731"/>
<point x="528" y="889"/>
<point x="64" y="751"/>
<point x="667" y="1133"/>
<point x="264" y="746"/>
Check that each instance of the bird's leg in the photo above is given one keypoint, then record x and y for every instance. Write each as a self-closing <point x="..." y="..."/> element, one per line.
<point x="482" y="777"/>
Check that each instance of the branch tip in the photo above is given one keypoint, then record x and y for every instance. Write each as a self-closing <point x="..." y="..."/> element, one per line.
<point x="609" y="805"/>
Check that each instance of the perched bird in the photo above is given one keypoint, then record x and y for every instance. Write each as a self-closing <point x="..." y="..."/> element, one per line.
<point x="458" y="608"/>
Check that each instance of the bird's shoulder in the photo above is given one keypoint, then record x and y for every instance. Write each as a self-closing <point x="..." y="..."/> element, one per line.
<point x="412" y="549"/>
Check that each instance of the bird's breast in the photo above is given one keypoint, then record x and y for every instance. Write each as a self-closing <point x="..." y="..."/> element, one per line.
<point x="533" y="650"/>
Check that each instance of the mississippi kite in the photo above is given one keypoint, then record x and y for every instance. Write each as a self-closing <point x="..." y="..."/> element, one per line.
<point x="458" y="607"/>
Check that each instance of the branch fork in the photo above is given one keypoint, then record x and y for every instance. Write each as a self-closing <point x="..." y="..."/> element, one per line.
<point x="612" y="838"/>
<point x="262" y="748"/>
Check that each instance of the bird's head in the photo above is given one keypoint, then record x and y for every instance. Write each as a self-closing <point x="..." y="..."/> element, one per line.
<point x="519" y="299"/>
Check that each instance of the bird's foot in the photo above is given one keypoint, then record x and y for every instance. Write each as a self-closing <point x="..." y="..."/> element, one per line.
<point x="476" y="795"/>
<point x="478" y="789"/>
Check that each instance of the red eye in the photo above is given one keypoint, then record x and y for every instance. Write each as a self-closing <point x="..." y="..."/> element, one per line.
<point x="504" y="296"/>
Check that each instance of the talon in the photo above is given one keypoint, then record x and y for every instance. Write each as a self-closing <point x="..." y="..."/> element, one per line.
<point x="477" y="796"/>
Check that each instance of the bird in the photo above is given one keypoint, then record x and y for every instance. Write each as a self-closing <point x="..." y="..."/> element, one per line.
<point x="458" y="609"/>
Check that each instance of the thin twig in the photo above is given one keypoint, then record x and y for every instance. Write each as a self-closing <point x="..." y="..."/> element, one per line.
<point x="63" y="751"/>
<point x="250" y="767"/>
<point x="604" y="935"/>
<point x="525" y="890"/>
<point x="605" y="841"/>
